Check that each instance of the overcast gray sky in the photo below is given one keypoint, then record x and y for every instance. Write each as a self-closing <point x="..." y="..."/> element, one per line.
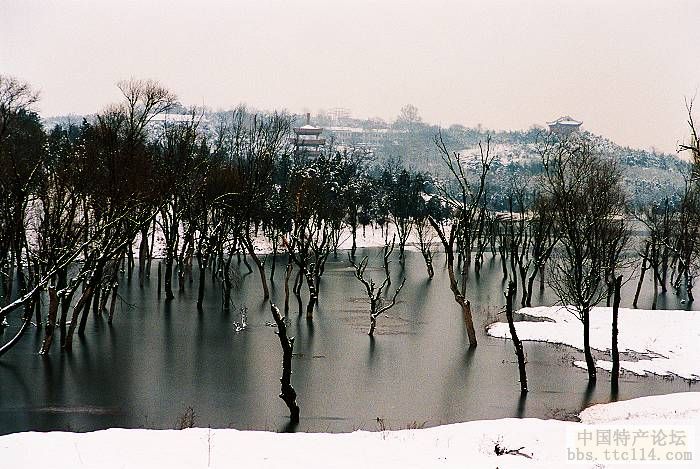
<point x="623" y="67"/>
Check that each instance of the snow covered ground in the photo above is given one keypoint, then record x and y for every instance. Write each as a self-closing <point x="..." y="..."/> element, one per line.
<point x="371" y="236"/>
<point x="661" y="342"/>
<point x="538" y="443"/>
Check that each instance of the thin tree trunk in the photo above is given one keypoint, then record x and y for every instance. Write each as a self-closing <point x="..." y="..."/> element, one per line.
<point x="313" y="294"/>
<point x="66" y="300"/>
<point x="530" y="287"/>
<point x="287" y="276"/>
<point x="160" y="277"/>
<point x="517" y="343"/>
<point x="26" y="321"/>
<point x="143" y="255"/>
<point x="50" y="322"/>
<point x="202" y="278"/>
<point x="287" y="394"/>
<point x="227" y="284"/>
<point x="86" y="310"/>
<point x="261" y="267"/>
<point x="298" y="282"/>
<point x="96" y="302"/>
<point x="590" y="362"/>
<point x="150" y="248"/>
<point x="353" y="249"/>
<point x="84" y="296"/>
<point x="615" y="373"/>
<point x="641" y="275"/>
<point x="113" y="303"/>
<point x="131" y="264"/>
<point x="169" y="277"/>
<point x="454" y="286"/>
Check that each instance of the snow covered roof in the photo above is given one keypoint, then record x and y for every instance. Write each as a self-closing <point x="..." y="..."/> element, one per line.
<point x="566" y="120"/>
<point x="308" y="129"/>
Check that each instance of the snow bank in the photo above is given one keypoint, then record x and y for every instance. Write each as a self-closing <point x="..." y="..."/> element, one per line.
<point x="542" y="443"/>
<point x="663" y="342"/>
<point x="679" y="407"/>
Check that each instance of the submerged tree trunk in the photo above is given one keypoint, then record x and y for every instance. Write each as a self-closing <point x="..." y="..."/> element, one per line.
<point x="168" y="281"/>
<point x="590" y="362"/>
<point x="130" y="260"/>
<point x="388" y="249"/>
<point x="259" y="264"/>
<point x="228" y="284"/>
<point x="641" y="275"/>
<point x="530" y="286"/>
<point x="66" y="299"/>
<point x="615" y="373"/>
<point x="26" y="321"/>
<point x="150" y="248"/>
<point x="287" y="276"/>
<point x="50" y="321"/>
<point x="143" y="255"/>
<point x="313" y="294"/>
<point x="202" y="277"/>
<point x="160" y="277"/>
<point x="656" y="291"/>
<point x="459" y="297"/>
<point x="517" y="343"/>
<point x="353" y="249"/>
<point x="287" y="394"/>
<point x="428" y="258"/>
<point x="688" y="286"/>
<point x="298" y="282"/>
<point x="274" y="262"/>
<point x="113" y="303"/>
<point x="84" y="297"/>
<point x="86" y="310"/>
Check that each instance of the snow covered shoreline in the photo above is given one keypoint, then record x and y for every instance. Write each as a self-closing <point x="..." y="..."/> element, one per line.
<point x="664" y="342"/>
<point x="372" y="236"/>
<point x="539" y="443"/>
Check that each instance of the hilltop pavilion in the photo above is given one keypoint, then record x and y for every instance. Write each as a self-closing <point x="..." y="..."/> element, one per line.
<point x="564" y="125"/>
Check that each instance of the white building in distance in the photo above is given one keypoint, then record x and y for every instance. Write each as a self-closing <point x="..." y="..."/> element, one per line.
<point x="564" y="125"/>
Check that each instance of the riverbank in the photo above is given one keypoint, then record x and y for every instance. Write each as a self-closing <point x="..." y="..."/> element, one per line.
<point x="524" y="443"/>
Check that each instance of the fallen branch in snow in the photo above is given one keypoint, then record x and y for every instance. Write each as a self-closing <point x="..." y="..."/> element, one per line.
<point x="500" y="451"/>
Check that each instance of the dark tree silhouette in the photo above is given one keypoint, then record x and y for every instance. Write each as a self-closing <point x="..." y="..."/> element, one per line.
<point x="589" y="206"/>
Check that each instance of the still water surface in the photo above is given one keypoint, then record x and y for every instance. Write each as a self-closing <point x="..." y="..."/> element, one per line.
<point x="159" y="358"/>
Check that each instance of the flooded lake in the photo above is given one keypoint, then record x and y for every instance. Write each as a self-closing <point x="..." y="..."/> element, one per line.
<point x="159" y="358"/>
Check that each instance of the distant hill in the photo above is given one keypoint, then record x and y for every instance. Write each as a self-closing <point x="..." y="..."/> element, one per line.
<point x="650" y="176"/>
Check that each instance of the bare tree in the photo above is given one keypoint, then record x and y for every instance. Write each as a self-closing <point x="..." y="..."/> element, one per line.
<point x="517" y="343"/>
<point x="687" y="229"/>
<point x="287" y="394"/>
<point x="377" y="305"/>
<point x="467" y="203"/>
<point x="542" y="238"/>
<point x="16" y="96"/>
<point x="589" y="206"/>
<point x="426" y="243"/>
<point x="659" y="221"/>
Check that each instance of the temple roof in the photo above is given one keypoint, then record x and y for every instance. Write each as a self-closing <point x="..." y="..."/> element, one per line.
<point x="565" y="120"/>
